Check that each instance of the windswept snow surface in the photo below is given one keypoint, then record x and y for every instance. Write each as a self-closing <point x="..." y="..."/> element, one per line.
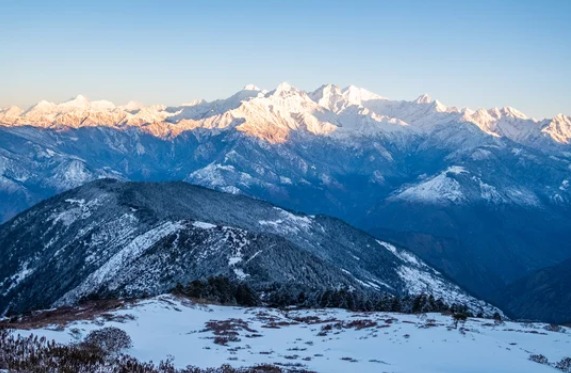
<point x="166" y="326"/>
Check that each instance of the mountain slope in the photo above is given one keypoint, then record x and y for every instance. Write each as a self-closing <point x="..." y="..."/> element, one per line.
<point x="542" y="295"/>
<point x="134" y="239"/>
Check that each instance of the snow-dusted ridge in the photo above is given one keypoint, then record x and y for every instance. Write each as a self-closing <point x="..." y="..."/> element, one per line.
<point x="135" y="239"/>
<point x="273" y="115"/>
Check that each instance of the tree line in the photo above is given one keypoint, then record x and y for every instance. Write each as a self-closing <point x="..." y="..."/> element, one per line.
<point x="222" y="290"/>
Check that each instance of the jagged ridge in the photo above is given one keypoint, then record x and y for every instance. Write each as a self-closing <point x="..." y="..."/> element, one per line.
<point x="271" y="116"/>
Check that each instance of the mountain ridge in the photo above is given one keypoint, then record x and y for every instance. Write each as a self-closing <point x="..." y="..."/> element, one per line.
<point x="162" y="121"/>
<point x="131" y="239"/>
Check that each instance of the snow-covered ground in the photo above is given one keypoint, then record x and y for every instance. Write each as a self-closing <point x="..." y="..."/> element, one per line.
<point x="328" y="340"/>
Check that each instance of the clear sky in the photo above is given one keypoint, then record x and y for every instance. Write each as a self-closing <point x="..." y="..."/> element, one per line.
<point x="465" y="53"/>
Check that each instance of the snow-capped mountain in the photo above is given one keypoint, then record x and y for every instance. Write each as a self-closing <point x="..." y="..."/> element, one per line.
<point x="134" y="239"/>
<point x="273" y="115"/>
<point x="55" y="136"/>
<point x="483" y="195"/>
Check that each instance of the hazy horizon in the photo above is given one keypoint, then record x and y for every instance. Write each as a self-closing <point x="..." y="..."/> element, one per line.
<point x="481" y="54"/>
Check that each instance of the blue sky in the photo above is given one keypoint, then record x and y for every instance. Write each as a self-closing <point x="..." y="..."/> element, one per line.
<point x="465" y="53"/>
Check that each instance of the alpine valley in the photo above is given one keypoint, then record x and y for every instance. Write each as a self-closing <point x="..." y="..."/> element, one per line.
<point x="480" y="197"/>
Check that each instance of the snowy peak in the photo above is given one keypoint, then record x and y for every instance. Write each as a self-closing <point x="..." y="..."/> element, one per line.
<point x="82" y="103"/>
<point x="330" y="89"/>
<point x="273" y="117"/>
<point x="132" y="106"/>
<point x="336" y="99"/>
<point x="507" y="112"/>
<point x="78" y="102"/>
<point x="251" y="87"/>
<point x="330" y="97"/>
<point x="456" y="185"/>
<point x="437" y="106"/>
<point x="357" y="96"/>
<point x="283" y="88"/>
<point x="562" y="118"/>
<point x="559" y="129"/>
<point x="424" y="99"/>
<point x="14" y="110"/>
<point x="10" y="114"/>
<point x="41" y="106"/>
<point x="505" y="122"/>
<point x="286" y="109"/>
<point x="514" y="113"/>
<point x="326" y="91"/>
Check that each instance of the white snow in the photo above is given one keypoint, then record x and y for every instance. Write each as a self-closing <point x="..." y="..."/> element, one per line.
<point x="239" y="240"/>
<point x="522" y="196"/>
<point x="231" y="189"/>
<point x="420" y="278"/>
<point x="438" y="189"/>
<point x="445" y="188"/>
<point x="456" y="170"/>
<point x="16" y="279"/>
<point x="121" y="259"/>
<point x="203" y="225"/>
<point x="405" y="256"/>
<point x="135" y="249"/>
<point x="239" y="272"/>
<point x="287" y="222"/>
<point x="272" y="116"/>
<point x="251" y="87"/>
<point x="220" y="176"/>
<point x="167" y="326"/>
<point x="79" y="202"/>
<point x="559" y="129"/>
<point x="80" y="210"/>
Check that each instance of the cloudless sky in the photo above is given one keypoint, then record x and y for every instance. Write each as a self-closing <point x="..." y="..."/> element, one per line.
<point x="465" y="53"/>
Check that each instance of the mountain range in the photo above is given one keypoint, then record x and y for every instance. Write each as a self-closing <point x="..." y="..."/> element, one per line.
<point x="481" y="195"/>
<point x="274" y="116"/>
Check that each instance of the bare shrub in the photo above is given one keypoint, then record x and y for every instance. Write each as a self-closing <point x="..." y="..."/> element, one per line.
<point x="564" y="365"/>
<point x="33" y="354"/>
<point x="361" y="324"/>
<point x="109" y="339"/>
<point x="554" y="328"/>
<point x="539" y="358"/>
<point x="226" y="331"/>
<point x="354" y="324"/>
<point x="350" y="359"/>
